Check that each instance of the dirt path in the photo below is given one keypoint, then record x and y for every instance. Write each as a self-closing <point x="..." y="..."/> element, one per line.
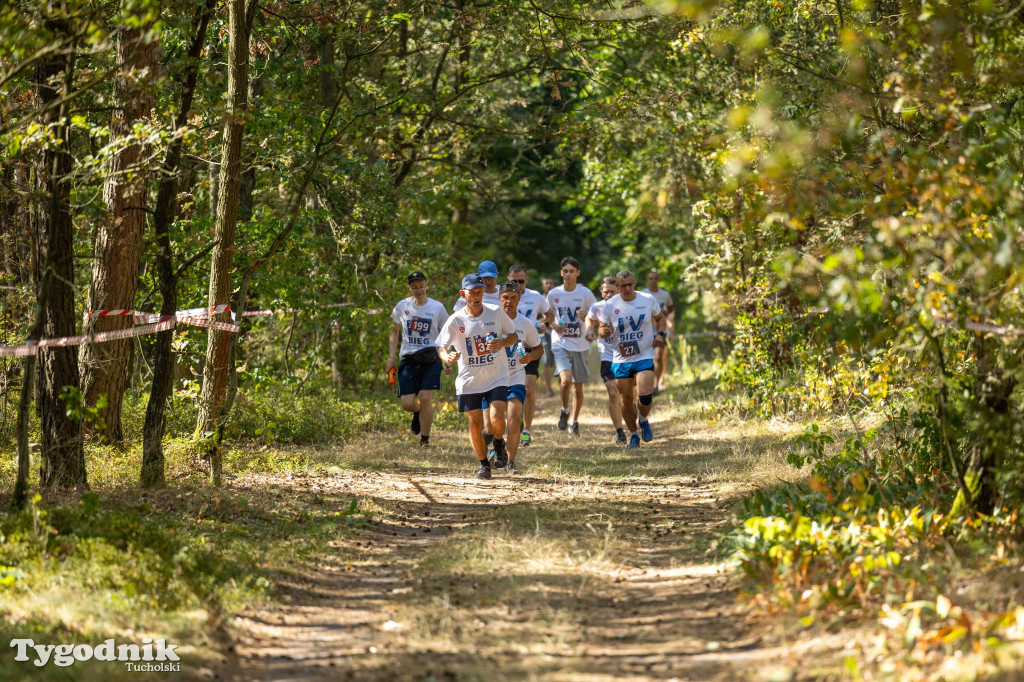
<point x="589" y="566"/>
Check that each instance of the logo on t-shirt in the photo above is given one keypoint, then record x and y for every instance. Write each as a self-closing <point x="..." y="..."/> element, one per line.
<point x="634" y="325"/>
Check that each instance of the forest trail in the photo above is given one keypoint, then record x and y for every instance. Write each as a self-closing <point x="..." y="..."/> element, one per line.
<point x="594" y="564"/>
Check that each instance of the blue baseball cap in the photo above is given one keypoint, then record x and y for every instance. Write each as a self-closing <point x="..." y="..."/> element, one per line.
<point x="472" y="281"/>
<point x="487" y="269"/>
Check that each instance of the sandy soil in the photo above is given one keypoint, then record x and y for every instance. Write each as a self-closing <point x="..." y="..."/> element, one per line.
<point x="659" y="606"/>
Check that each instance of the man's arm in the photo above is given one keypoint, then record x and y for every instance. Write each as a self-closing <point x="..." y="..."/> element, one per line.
<point x="660" y="322"/>
<point x="510" y="340"/>
<point x="396" y="334"/>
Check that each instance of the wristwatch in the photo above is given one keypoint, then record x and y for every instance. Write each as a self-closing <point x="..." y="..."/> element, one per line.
<point x="663" y="335"/>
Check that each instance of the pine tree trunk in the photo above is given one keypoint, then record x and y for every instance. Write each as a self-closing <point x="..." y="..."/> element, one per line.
<point x="215" y="371"/>
<point x="152" y="472"/>
<point x="115" y="273"/>
<point x="63" y="461"/>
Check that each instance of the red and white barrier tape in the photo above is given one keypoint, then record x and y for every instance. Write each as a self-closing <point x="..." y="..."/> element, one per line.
<point x="29" y="347"/>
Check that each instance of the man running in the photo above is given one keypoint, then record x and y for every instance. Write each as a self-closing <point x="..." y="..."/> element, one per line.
<point x="489" y="272"/>
<point x="668" y="310"/>
<point x="482" y="331"/>
<point x="518" y="379"/>
<point x="417" y="320"/>
<point x="629" y="320"/>
<point x="532" y="306"/>
<point x="570" y="341"/>
<point x="609" y="287"/>
<point x="546" y="285"/>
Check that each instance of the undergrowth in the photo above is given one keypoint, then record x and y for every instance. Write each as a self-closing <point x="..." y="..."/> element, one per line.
<point x="864" y="541"/>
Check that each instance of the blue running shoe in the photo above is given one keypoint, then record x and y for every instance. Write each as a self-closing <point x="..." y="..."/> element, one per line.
<point x="634" y="442"/>
<point x="645" y="431"/>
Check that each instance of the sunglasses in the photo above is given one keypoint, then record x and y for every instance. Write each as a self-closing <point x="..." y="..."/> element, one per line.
<point x="519" y="281"/>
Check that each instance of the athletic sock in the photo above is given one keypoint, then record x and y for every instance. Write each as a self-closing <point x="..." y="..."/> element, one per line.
<point x="424" y="440"/>
<point x="488" y="438"/>
<point x="643" y="419"/>
<point x="621" y="432"/>
<point x="565" y="410"/>
<point x="635" y="433"/>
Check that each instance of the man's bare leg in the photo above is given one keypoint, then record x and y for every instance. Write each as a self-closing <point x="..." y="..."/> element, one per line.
<point x="476" y="437"/>
<point x="614" y="408"/>
<point x="497" y="418"/>
<point x="661" y="366"/>
<point x="577" y="402"/>
<point x="625" y="387"/>
<point x="530" y="406"/>
<point x="565" y="379"/>
<point x="426" y="412"/>
<point x="644" y="386"/>
<point x="515" y="411"/>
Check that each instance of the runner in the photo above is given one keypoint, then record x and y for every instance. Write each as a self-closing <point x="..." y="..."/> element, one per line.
<point x="483" y="372"/>
<point x="547" y="284"/>
<point x="417" y="320"/>
<point x="570" y="341"/>
<point x="532" y="306"/>
<point x="609" y="287"/>
<point x="628" y="320"/>
<point x="489" y="272"/>
<point x="667" y="309"/>
<point x="518" y="379"/>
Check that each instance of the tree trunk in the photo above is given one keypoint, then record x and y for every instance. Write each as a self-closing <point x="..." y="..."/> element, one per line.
<point x="215" y="371"/>
<point x="992" y="426"/>
<point x="63" y="462"/>
<point x="115" y="273"/>
<point x="152" y="473"/>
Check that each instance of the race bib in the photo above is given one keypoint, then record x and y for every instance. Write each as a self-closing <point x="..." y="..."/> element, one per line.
<point x="480" y="346"/>
<point x="628" y="349"/>
<point x="419" y="325"/>
<point x="572" y="330"/>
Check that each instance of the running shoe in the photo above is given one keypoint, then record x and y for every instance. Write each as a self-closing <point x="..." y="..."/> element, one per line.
<point x="511" y="468"/>
<point x="620" y="436"/>
<point x="574" y="429"/>
<point x="524" y="439"/>
<point x="563" y="420"/>
<point x="484" y="471"/>
<point x="415" y="425"/>
<point x="500" y="454"/>
<point x="645" y="431"/>
<point x="634" y="442"/>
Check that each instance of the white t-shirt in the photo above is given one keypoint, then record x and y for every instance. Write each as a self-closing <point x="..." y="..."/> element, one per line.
<point x="571" y="308"/>
<point x="529" y="337"/>
<point x="532" y="306"/>
<point x="664" y="298"/>
<point x="489" y="299"/>
<point x="420" y="323"/>
<point x="603" y="344"/>
<point x="480" y="370"/>
<point x="632" y="326"/>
